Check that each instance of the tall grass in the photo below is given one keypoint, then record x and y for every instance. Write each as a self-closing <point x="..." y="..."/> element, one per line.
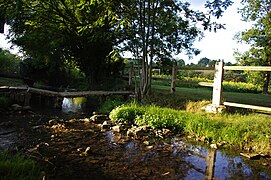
<point x="250" y="131"/>
<point x="18" y="167"/>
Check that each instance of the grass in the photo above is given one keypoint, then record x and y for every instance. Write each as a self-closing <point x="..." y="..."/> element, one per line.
<point x="250" y="131"/>
<point x="197" y="94"/>
<point x="229" y="86"/>
<point x="11" y="82"/>
<point x="18" y="167"/>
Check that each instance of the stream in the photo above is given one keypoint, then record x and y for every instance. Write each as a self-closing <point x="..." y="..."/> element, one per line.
<point x="172" y="157"/>
<point x="202" y="162"/>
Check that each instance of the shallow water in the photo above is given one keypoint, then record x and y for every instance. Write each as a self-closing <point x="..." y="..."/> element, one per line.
<point x="203" y="163"/>
<point x="8" y="139"/>
<point x="192" y="163"/>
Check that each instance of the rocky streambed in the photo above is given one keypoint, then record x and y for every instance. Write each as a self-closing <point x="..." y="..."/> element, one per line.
<point x="79" y="146"/>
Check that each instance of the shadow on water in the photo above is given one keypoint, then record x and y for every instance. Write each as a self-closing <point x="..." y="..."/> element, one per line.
<point x="203" y="163"/>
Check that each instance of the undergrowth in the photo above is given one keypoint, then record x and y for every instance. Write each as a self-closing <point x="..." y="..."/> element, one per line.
<point x="250" y="131"/>
<point x="18" y="167"/>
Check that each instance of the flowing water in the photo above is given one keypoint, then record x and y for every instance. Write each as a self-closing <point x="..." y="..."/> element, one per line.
<point x="75" y="105"/>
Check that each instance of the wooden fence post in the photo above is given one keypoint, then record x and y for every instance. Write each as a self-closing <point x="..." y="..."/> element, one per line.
<point x="173" y="77"/>
<point x="217" y="86"/>
<point x="217" y="105"/>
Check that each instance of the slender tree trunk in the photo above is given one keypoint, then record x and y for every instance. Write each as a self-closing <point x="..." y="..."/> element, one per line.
<point x="154" y="7"/>
<point x="266" y="82"/>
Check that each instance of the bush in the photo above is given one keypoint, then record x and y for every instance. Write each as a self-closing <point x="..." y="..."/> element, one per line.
<point x="126" y="113"/>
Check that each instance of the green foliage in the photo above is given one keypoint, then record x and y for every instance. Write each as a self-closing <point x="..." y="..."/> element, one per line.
<point x="111" y="103"/>
<point x="9" y="63"/>
<point x="250" y="131"/>
<point x="10" y="82"/>
<point x="5" y="102"/>
<point x="193" y="75"/>
<point x="192" y="79"/>
<point x="203" y="62"/>
<point x="53" y="32"/>
<point x="258" y="36"/>
<point x="241" y="87"/>
<point x="126" y="113"/>
<point x="18" y="167"/>
<point x="162" y="118"/>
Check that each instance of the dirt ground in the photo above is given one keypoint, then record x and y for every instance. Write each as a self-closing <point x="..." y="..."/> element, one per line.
<point x="79" y="148"/>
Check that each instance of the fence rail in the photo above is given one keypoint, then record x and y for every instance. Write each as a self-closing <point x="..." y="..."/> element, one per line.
<point x="247" y="106"/>
<point x="248" y="68"/>
<point x="217" y="87"/>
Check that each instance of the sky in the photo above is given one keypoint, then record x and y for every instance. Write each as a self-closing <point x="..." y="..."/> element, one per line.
<point x="219" y="45"/>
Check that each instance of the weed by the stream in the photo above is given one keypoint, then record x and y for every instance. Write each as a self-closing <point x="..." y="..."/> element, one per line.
<point x="18" y="167"/>
<point x="251" y="131"/>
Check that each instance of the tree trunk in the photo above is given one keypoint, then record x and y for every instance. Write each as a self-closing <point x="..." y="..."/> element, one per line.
<point x="266" y="82"/>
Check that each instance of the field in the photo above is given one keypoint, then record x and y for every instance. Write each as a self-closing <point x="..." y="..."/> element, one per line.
<point x="196" y="94"/>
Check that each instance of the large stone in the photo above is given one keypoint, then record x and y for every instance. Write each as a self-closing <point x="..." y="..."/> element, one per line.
<point x="105" y="125"/>
<point x="97" y="117"/>
<point x="16" y="107"/>
<point x="138" y="132"/>
<point x="26" y="108"/>
<point x="251" y="156"/>
<point x="215" y="109"/>
<point x="117" y="128"/>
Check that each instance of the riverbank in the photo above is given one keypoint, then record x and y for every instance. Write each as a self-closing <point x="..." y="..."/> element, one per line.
<point x="249" y="133"/>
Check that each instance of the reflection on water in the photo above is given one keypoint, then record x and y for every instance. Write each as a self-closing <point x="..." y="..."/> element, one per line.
<point x="203" y="163"/>
<point x="217" y="164"/>
<point x="73" y="104"/>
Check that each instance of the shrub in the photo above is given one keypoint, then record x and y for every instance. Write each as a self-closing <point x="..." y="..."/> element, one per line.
<point x="126" y="113"/>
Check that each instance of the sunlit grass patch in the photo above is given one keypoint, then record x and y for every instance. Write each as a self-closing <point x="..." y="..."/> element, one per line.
<point x="250" y="131"/>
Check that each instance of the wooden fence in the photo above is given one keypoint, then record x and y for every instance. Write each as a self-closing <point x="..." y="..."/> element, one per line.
<point x="218" y="88"/>
<point x="218" y="70"/>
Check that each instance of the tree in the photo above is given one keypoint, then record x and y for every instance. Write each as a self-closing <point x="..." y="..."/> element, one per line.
<point x="259" y="36"/>
<point x="9" y="63"/>
<point x="180" y="62"/>
<point x="79" y="31"/>
<point x="203" y="62"/>
<point x="88" y="32"/>
<point x="162" y="28"/>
